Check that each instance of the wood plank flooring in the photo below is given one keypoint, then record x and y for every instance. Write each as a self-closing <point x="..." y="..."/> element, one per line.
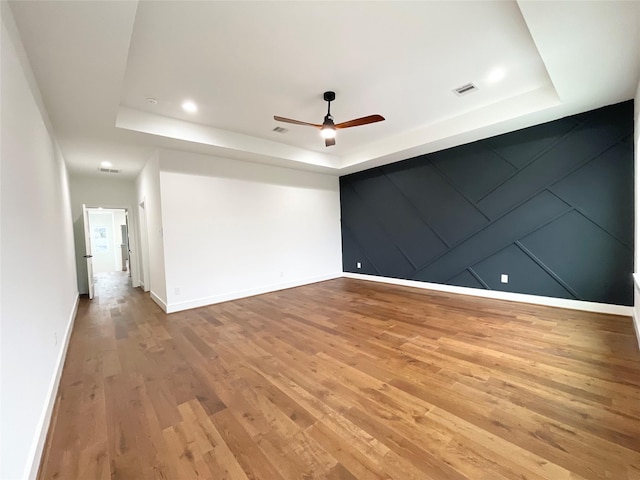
<point x="345" y="379"/>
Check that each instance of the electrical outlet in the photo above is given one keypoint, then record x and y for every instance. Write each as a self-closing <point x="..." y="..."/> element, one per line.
<point x="177" y="291"/>
<point x="504" y="278"/>
<point x="359" y="265"/>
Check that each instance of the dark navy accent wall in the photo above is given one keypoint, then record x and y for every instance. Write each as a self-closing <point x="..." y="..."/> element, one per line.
<point x="550" y="205"/>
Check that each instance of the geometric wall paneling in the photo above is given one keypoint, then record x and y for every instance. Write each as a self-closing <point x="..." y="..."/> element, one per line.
<point x="586" y="257"/>
<point x="435" y="200"/>
<point x="473" y="168"/>
<point x="603" y="191"/>
<point x="351" y="249"/>
<point x="466" y="279"/>
<point x="400" y="221"/>
<point x="372" y="239"/>
<point x="594" y="136"/>
<point x="549" y="205"/>
<point x="520" y="147"/>
<point x="521" y="221"/>
<point x="530" y="278"/>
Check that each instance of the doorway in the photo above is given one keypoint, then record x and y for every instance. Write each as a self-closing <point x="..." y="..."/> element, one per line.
<point x="109" y="239"/>
<point x="108" y="234"/>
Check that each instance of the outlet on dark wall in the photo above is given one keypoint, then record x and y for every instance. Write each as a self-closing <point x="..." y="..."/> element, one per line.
<point x="549" y="205"/>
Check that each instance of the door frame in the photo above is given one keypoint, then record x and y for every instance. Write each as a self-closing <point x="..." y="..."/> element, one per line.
<point x="88" y="249"/>
<point x="134" y="251"/>
<point x="145" y="281"/>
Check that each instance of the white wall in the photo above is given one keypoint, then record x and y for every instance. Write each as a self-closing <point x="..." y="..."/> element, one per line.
<point x="151" y="244"/>
<point x="233" y="229"/>
<point x="119" y="219"/>
<point x="108" y="191"/>
<point x="37" y="274"/>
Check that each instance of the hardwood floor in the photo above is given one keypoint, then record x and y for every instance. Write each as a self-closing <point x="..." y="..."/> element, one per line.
<point x="345" y="379"/>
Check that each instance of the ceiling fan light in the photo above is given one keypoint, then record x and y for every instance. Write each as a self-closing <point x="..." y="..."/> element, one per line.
<point x="328" y="132"/>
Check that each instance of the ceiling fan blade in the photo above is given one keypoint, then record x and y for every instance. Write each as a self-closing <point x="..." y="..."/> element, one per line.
<point x="328" y="142"/>
<point x="295" y="122"/>
<point x="361" y="121"/>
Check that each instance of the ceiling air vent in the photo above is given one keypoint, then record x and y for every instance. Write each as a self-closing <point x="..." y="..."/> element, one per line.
<point x="108" y="170"/>
<point x="464" y="89"/>
<point x="280" y="130"/>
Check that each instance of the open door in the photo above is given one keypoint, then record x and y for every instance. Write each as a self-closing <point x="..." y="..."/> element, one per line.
<point x="87" y="249"/>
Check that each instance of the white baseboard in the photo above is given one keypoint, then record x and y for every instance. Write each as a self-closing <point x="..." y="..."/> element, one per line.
<point x="512" y="297"/>
<point x="636" y="308"/>
<point x="35" y="454"/>
<point x="159" y="301"/>
<point x="225" y="297"/>
<point x="636" y="323"/>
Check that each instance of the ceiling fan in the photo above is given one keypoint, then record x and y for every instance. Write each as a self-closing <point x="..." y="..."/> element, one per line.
<point x="328" y="128"/>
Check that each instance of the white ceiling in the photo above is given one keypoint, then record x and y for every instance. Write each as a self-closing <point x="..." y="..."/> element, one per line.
<point x="96" y="63"/>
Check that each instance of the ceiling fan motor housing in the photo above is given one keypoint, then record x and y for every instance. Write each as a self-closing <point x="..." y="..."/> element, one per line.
<point x="328" y="119"/>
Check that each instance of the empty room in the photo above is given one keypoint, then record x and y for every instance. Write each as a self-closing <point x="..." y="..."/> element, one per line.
<point x="286" y="240"/>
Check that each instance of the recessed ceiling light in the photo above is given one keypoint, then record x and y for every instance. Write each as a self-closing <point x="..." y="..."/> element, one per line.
<point x="189" y="106"/>
<point x="106" y="164"/>
<point x="496" y="75"/>
<point x="152" y="101"/>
